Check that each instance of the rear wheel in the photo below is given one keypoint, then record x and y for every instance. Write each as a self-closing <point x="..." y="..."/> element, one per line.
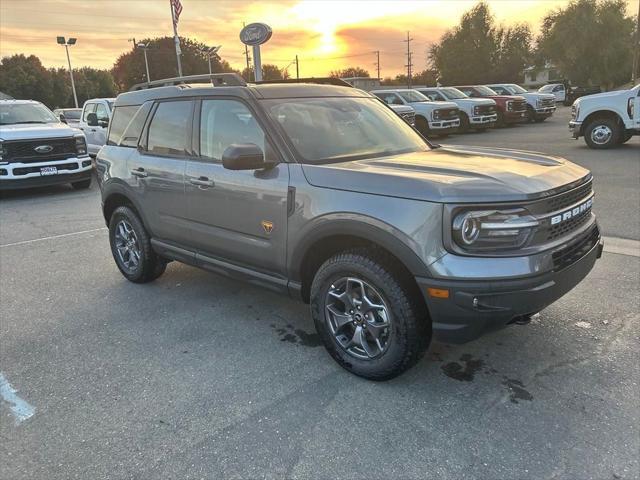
<point x="131" y="247"/>
<point x="368" y="316"/>
<point x="602" y="133"/>
<point x="82" y="185"/>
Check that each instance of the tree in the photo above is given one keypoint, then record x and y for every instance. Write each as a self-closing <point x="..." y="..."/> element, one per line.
<point x="25" y="78"/>
<point x="129" y="68"/>
<point x="589" y="41"/>
<point x="513" y="53"/>
<point x="349" y="72"/>
<point x="269" y="72"/>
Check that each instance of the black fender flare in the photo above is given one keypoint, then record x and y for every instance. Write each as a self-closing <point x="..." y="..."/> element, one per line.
<point x="117" y="187"/>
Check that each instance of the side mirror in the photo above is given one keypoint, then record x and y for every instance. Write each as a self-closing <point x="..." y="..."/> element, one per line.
<point x="62" y="118"/>
<point x="103" y="122"/>
<point x="92" y="120"/>
<point x="243" y="156"/>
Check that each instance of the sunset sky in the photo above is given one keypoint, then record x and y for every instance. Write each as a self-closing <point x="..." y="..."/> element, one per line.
<point x="326" y="34"/>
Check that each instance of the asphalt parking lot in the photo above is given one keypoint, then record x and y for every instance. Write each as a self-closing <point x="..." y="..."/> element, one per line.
<point x="196" y="376"/>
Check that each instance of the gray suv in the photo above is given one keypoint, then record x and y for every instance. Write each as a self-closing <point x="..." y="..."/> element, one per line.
<point x="323" y="193"/>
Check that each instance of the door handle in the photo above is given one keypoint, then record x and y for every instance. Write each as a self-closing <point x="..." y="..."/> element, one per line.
<point x="139" y="172"/>
<point x="93" y="129"/>
<point x="201" y="182"/>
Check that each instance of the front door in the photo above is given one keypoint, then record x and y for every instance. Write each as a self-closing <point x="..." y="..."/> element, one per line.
<point x="236" y="216"/>
<point x="156" y="170"/>
<point x="99" y="133"/>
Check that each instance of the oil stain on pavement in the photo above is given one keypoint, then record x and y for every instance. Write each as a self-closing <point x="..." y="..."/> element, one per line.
<point x="294" y="335"/>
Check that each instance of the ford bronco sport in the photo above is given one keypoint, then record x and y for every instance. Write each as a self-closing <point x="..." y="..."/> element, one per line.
<point x="324" y="193"/>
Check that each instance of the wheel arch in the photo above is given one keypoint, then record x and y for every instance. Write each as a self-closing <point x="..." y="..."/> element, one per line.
<point x="601" y="113"/>
<point x="116" y="195"/>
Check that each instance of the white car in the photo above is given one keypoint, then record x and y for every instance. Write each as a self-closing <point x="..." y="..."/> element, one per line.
<point x="608" y="119"/>
<point x="96" y="114"/>
<point x="70" y="116"/>
<point x="36" y="149"/>
<point x="432" y="118"/>
<point x="476" y="113"/>
<point x="555" y="89"/>
<point x="540" y="106"/>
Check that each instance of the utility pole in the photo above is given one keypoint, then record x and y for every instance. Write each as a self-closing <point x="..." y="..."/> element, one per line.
<point x="66" y="43"/>
<point x="409" y="65"/>
<point x="635" y="73"/>
<point x="144" y="47"/>
<point x="246" y="54"/>
<point x="297" y="69"/>
<point x="377" y="52"/>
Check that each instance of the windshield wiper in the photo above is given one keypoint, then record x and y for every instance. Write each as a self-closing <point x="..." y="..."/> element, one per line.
<point x="26" y="121"/>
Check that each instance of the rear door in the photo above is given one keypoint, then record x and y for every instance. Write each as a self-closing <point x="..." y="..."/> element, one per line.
<point x="156" y="169"/>
<point x="237" y="216"/>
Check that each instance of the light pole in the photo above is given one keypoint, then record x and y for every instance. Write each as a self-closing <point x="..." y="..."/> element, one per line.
<point x="145" y="47"/>
<point x="66" y="43"/>
<point x="212" y="52"/>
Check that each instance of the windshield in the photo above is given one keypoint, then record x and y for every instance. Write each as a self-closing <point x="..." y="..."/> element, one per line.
<point x="485" y="91"/>
<point x="413" y="96"/>
<point x="26" y="113"/>
<point x="546" y="88"/>
<point x="452" y="93"/>
<point x="516" y="88"/>
<point x="72" y="114"/>
<point x="326" y="130"/>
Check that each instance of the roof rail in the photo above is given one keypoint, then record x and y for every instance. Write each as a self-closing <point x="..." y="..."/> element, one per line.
<point x="216" y="79"/>
<point x="320" y="80"/>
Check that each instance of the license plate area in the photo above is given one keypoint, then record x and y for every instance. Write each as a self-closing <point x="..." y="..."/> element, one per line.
<point x="48" y="171"/>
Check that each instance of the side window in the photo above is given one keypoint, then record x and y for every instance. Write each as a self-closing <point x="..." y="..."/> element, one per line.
<point x="102" y="113"/>
<point x="88" y="108"/>
<point x="468" y="91"/>
<point x="121" y="118"/>
<point x="132" y="132"/>
<point x="433" y="96"/>
<point x="499" y="90"/>
<point x="223" y="122"/>
<point x="559" y="88"/>
<point x="168" y="128"/>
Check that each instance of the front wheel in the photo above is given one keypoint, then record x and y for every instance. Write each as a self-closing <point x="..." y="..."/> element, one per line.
<point x="422" y="126"/>
<point x="625" y="138"/>
<point x="602" y="133"/>
<point x="368" y="316"/>
<point x="131" y="247"/>
<point x="464" y="123"/>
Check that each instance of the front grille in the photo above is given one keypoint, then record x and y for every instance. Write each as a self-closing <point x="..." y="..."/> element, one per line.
<point x="24" y="151"/>
<point x="26" y="170"/>
<point x="566" y="199"/>
<point x="519" y="105"/>
<point x="408" y="117"/>
<point x="486" y="109"/>
<point x="446" y="113"/>
<point x="574" y="251"/>
<point x="546" y="102"/>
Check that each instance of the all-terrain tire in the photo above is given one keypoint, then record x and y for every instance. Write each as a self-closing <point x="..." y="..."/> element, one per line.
<point x="150" y="265"/>
<point x="410" y="326"/>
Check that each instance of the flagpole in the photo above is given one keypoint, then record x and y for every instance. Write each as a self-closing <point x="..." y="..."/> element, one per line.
<point x="176" y="39"/>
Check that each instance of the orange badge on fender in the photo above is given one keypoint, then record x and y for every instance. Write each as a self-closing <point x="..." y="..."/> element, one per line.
<point x="268" y="226"/>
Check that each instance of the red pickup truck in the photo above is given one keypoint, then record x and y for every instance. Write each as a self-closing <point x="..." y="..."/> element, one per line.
<point x="511" y="108"/>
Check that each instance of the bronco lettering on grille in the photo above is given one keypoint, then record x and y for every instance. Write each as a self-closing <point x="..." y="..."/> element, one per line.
<point x="574" y="212"/>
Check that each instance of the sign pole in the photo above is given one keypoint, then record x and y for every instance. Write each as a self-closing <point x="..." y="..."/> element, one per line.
<point x="255" y="34"/>
<point x="257" y="63"/>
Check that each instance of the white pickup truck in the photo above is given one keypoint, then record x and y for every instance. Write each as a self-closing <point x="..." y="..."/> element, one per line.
<point x="540" y="106"/>
<point x="94" y="122"/>
<point x="476" y="113"/>
<point x="431" y="118"/>
<point x="608" y="119"/>
<point x="38" y="150"/>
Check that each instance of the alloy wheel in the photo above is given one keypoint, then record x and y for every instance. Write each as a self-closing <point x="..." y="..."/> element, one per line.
<point x="601" y="134"/>
<point x="127" y="246"/>
<point x="358" y="318"/>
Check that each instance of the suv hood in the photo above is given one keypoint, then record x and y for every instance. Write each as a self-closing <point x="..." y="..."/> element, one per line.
<point x="35" y="131"/>
<point x="452" y="174"/>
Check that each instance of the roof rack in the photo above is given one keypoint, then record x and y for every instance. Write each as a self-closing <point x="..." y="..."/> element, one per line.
<point x="216" y="79"/>
<point x="320" y="80"/>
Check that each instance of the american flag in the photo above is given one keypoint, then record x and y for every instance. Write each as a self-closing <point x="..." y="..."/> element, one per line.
<point x="177" y="10"/>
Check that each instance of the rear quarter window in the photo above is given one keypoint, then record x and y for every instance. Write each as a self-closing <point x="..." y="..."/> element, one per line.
<point x="119" y="122"/>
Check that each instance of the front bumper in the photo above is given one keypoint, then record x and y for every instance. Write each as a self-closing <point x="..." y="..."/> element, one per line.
<point x="515" y="117"/>
<point x="544" y="112"/>
<point x="17" y="175"/>
<point x="484" y="120"/>
<point x="575" y="128"/>
<point x="444" y="126"/>
<point x="475" y="307"/>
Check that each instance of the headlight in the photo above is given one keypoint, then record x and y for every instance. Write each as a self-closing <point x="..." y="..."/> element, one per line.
<point x="630" y="107"/>
<point x="487" y="230"/>
<point x="476" y="110"/>
<point x="81" y="145"/>
<point x="509" y="105"/>
<point x="2" y="152"/>
<point x="575" y="111"/>
<point x="436" y="114"/>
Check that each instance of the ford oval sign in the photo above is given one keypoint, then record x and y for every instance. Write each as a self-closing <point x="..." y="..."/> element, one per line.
<point x="43" y="148"/>
<point x="255" y="34"/>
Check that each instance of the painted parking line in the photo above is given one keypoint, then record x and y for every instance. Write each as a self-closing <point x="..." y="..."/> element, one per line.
<point x="52" y="237"/>
<point x="20" y="408"/>
<point x="622" y="246"/>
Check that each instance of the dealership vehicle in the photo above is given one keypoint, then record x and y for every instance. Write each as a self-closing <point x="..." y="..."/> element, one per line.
<point x="540" y="106"/>
<point x="37" y="150"/>
<point x="432" y="118"/>
<point x="96" y="114"/>
<point x="510" y="108"/>
<point x="476" y="113"/>
<point x="608" y="119"/>
<point x="558" y="90"/>
<point x="321" y="192"/>
<point x="70" y="116"/>
<point x="407" y="113"/>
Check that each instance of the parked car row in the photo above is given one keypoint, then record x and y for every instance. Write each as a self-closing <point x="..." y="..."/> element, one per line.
<point x="440" y="111"/>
